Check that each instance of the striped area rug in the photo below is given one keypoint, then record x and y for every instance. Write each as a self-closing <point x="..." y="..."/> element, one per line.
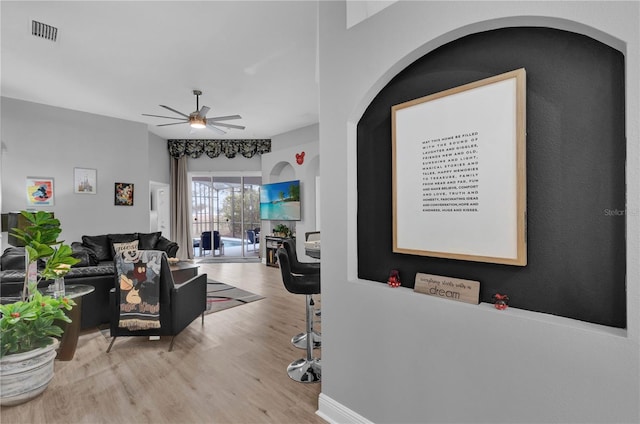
<point x="221" y="296"/>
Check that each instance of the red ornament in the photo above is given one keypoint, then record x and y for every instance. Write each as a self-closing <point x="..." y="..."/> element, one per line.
<point x="500" y="301"/>
<point x="300" y="158"/>
<point x="394" y="278"/>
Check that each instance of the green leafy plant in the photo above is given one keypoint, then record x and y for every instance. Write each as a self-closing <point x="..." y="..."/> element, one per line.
<point x="29" y="323"/>
<point x="41" y="242"/>
<point x="281" y="229"/>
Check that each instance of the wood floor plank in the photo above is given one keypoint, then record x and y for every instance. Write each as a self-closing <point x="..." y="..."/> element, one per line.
<point x="231" y="370"/>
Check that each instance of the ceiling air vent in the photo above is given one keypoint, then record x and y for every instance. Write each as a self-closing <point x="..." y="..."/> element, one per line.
<point x="44" y="31"/>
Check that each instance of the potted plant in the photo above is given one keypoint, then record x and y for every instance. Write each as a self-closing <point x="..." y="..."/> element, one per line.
<point x="281" y="230"/>
<point x="28" y="326"/>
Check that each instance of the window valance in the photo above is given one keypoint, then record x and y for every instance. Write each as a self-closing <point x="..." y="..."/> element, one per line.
<point x="214" y="148"/>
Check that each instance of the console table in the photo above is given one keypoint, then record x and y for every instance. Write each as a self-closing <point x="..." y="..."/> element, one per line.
<point x="272" y="243"/>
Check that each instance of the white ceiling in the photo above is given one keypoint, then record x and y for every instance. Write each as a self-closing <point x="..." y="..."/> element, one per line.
<point x="121" y="59"/>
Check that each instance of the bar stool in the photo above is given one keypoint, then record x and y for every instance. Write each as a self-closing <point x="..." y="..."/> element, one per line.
<point x="308" y="369"/>
<point x="302" y="268"/>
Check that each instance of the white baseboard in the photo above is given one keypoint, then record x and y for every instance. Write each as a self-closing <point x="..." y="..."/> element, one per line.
<point x="336" y="413"/>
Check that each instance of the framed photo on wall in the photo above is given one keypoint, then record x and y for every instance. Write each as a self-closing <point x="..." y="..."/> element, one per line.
<point x="85" y="181"/>
<point x="459" y="172"/>
<point x="40" y="191"/>
<point x="123" y="194"/>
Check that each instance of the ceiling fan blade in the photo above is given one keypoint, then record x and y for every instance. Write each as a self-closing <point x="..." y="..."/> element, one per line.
<point x="218" y="130"/>
<point x="220" y="124"/>
<point x="224" y="118"/>
<point x="160" y="116"/>
<point x="203" y="111"/>
<point x="175" y="111"/>
<point x="173" y="123"/>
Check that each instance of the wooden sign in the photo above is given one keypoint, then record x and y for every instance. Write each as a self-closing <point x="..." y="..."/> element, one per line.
<point x="467" y="291"/>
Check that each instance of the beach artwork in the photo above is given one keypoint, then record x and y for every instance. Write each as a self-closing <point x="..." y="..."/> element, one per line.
<point x="280" y="201"/>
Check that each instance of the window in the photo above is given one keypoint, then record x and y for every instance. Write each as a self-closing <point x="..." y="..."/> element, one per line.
<point x="229" y="205"/>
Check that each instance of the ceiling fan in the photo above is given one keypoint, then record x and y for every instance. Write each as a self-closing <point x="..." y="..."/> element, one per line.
<point x="198" y="118"/>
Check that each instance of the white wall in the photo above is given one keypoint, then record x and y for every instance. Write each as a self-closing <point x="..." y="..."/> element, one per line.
<point x="159" y="160"/>
<point x="281" y="165"/>
<point x="223" y="164"/>
<point x="392" y="355"/>
<point x="294" y="138"/>
<point x="47" y="141"/>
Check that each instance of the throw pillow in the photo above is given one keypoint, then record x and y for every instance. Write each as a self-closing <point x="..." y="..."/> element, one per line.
<point x="100" y="245"/>
<point x="86" y="256"/>
<point x="129" y="250"/>
<point x="121" y="238"/>
<point x="12" y="259"/>
<point x="148" y="241"/>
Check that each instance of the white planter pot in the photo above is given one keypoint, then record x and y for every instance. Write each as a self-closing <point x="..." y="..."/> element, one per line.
<point x="24" y="376"/>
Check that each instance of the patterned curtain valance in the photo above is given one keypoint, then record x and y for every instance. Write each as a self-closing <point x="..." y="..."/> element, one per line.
<point x="214" y="148"/>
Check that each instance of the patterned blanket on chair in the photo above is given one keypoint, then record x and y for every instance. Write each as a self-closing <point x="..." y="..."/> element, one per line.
<point x="139" y="281"/>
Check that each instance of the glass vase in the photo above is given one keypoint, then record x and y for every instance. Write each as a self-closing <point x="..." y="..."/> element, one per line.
<point x="58" y="287"/>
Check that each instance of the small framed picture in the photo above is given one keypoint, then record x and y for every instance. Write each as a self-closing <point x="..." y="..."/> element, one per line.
<point x="85" y="181"/>
<point x="123" y="194"/>
<point x="39" y="191"/>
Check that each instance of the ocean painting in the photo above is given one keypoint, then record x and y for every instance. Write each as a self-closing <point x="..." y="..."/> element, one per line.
<point x="280" y="201"/>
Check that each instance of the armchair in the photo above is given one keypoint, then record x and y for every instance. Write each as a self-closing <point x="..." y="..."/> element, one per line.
<point x="252" y="238"/>
<point x="147" y="302"/>
<point x="211" y="241"/>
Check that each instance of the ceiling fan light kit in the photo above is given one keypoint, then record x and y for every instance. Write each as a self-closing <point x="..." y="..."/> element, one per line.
<point x="197" y="122"/>
<point x="198" y="118"/>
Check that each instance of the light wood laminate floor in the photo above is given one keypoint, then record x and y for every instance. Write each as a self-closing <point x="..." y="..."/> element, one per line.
<point x="232" y="370"/>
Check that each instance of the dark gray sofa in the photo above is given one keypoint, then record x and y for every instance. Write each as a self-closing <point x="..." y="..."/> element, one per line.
<point x="95" y="268"/>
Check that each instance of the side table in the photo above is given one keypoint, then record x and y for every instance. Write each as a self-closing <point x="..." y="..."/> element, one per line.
<point x="69" y="340"/>
<point x="183" y="271"/>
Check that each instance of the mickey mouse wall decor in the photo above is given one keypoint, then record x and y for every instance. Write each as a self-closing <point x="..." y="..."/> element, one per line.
<point x="300" y="158"/>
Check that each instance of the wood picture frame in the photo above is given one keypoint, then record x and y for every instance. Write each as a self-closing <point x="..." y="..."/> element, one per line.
<point x="85" y="181"/>
<point x="123" y="194"/>
<point x="40" y="191"/>
<point x="459" y="172"/>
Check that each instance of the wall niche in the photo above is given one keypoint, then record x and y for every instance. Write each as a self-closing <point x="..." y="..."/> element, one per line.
<point x="576" y="154"/>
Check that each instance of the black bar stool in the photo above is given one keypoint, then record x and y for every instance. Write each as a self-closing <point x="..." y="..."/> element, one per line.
<point x="302" y="268"/>
<point x="304" y="370"/>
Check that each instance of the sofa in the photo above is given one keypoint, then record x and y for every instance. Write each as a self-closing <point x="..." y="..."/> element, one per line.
<point x="95" y="268"/>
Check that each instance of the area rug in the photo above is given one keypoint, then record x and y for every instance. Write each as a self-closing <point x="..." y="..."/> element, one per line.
<point x="226" y="259"/>
<point x="221" y="296"/>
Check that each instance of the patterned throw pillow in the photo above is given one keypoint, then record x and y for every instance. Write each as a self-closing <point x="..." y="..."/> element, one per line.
<point x="128" y="250"/>
<point x="121" y="238"/>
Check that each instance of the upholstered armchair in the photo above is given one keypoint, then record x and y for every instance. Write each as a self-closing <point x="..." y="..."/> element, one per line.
<point x="147" y="302"/>
<point x="253" y="238"/>
<point x="210" y="240"/>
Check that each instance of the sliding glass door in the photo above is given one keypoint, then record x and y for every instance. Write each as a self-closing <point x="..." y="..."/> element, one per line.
<point x="231" y="206"/>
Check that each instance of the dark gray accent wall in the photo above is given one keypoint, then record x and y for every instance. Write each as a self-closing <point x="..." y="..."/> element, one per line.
<point x="575" y="172"/>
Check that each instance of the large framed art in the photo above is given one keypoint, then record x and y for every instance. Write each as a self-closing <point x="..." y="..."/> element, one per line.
<point x="459" y="172"/>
